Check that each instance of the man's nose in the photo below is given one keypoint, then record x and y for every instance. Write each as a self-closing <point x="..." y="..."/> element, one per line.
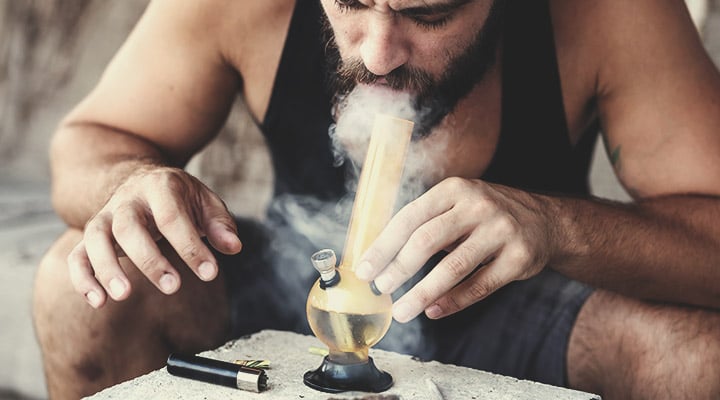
<point x="384" y="47"/>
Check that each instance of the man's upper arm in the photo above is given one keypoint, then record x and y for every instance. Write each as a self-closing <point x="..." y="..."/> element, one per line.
<point x="659" y="99"/>
<point x="169" y="83"/>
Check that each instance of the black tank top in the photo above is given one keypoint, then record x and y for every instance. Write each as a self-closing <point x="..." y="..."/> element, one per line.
<point x="534" y="150"/>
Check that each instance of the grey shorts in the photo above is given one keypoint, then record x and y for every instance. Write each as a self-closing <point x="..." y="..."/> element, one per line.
<point x="522" y="330"/>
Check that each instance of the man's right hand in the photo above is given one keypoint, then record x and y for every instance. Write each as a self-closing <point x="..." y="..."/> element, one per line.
<point x="153" y="203"/>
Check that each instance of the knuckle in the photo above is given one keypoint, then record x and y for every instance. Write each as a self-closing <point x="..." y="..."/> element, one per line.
<point x="520" y="255"/>
<point x="171" y="178"/>
<point x="80" y="273"/>
<point x="174" y="182"/>
<point x="167" y="218"/>
<point x="479" y="289"/>
<point x="190" y="252"/>
<point x="425" y="235"/>
<point x="78" y="277"/>
<point x="408" y="213"/>
<point x="400" y="268"/>
<point x="150" y="264"/>
<point x="74" y="258"/>
<point x="80" y="280"/>
<point x="478" y="206"/>
<point x="505" y="226"/>
<point x="468" y="252"/>
<point x="455" y="265"/>
<point x="215" y="200"/>
<point x="124" y="221"/>
<point x="452" y="304"/>
<point x="374" y="256"/>
<point x="121" y="228"/>
<point x="424" y="294"/>
<point x="216" y="212"/>
<point x="95" y="226"/>
<point x="126" y="190"/>
<point x="455" y="184"/>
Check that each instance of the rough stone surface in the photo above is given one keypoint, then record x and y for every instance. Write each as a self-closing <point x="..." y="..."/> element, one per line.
<point x="290" y="359"/>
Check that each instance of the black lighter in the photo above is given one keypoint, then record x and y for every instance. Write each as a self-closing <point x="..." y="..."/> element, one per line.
<point x="217" y="372"/>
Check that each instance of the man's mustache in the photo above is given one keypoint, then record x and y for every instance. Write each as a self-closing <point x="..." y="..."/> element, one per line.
<point x="403" y="78"/>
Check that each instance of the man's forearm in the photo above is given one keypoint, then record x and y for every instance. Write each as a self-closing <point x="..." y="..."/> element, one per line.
<point x="665" y="249"/>
<point x="88" y="163"/>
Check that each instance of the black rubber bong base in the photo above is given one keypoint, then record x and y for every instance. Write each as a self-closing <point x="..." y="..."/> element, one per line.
<point x="332" y="377"/>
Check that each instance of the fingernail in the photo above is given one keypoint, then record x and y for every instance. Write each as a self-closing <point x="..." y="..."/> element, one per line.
<point x="206" y="271"/>
<point x="93" y="298"/>
<point x="434" y="311"/>
<point x="363" y="270"/>
<point x="117" y="288"/>
<point x="402" y="312"/>
<point x="380" y="284"/>
<point x="167" y="283"/>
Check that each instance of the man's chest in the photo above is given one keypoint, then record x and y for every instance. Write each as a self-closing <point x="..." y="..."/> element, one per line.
<point x="471" y="133"/>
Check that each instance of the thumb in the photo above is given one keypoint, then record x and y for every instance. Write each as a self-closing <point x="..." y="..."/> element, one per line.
<point x="220" y="227"/>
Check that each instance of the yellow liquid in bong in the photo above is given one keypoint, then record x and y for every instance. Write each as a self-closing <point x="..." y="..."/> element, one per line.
<point x="348" y="333"/>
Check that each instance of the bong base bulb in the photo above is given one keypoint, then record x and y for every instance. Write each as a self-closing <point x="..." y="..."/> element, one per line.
<point x="332" y="377"/>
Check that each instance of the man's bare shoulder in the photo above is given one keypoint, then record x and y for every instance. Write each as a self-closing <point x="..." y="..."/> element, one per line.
<point x="252" y="29"/>
<point x="173" y="80"/>
<point x="601" y="45"/>
<point x="231" y="25"/>
<point x="610" y="33"/>
<point x="252" y="36"/>
<point x="224" y="13"/>
<point x="656" y="89"/>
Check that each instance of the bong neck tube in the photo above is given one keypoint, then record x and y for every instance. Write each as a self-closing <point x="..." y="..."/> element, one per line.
<point x="378" y="186"/>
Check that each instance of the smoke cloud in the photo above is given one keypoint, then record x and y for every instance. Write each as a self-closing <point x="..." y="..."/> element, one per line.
<point x="309" y="224"/>
<point x="324" y="224"/>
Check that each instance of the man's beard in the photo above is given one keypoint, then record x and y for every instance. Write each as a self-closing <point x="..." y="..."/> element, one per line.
<point x="433" y="99"/>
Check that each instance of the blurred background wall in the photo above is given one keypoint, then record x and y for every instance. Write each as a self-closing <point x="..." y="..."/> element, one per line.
<point x="51" y="54"/>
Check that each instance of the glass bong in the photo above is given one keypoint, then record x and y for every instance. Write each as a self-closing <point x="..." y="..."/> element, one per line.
<point x="345" y="313"/>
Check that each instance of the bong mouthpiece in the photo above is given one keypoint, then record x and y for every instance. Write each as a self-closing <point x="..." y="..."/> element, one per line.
<point x="324" y="261"/>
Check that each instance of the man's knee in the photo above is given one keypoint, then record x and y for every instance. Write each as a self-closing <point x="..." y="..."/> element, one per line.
<point x="625" y="348"/>
<point x="140" y="331"/>
<point x="680" y="355"/>
<point x="53" y="292"/>
<point x="67" y="331"/>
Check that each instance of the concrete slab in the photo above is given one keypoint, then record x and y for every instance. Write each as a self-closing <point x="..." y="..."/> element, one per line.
<point x="290" y="359"/>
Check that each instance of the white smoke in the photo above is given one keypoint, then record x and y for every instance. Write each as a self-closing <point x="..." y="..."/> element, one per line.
<point x="324" y="224"/>
<point x="356" y="116"/>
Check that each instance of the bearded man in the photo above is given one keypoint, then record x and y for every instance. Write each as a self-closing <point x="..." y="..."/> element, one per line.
<point x="508" y="264"/>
